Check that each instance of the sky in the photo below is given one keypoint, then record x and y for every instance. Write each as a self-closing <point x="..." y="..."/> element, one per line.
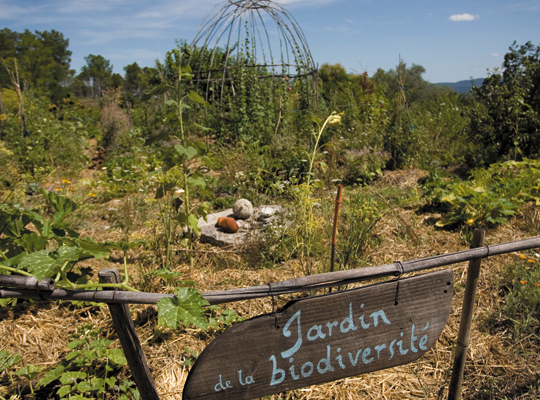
<point x="453" y="40"/>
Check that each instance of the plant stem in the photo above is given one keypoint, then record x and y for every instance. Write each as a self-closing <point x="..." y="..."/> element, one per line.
<point x="17" y="271"/>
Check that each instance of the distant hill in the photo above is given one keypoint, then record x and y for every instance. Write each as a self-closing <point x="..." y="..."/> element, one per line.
<point x="462" y="86"/>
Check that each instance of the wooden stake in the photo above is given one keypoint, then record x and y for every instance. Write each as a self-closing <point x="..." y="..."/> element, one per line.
<point x="334" y="231"/>
<point x="125" y="328"/>
<point x="473" y="272"/>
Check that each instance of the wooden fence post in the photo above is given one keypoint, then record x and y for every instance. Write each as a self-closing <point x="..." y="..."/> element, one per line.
<point x="125" y="328"/>
<point x="473" y="272"/>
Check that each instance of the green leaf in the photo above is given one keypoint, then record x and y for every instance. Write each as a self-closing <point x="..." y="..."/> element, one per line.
<point x="64" y="390"/>
<point x="203" y="128"/>
<point x="40" y="264"/>
<point x="193" y="221"/>
<point x="97" y="250"/>
<point x="194" y="96"/>
<point x="84" y="387"/>
<point x="71" y="377"/>
<point x="98" y="383"/>
<point x="32" y="242"/>
<point x="189" y="152"/>
<point x="63" y="205"/>
<point x="164" y="274"/>
<point x="171" y="102"/>
<point x="117" y="357"/>
<point x="7" y="361"/>
<point x="159" y="89"/>
<point x="51" y="376"/>
<point x="110" y="381"/>
<point x="29" y="372"/>
<point x="101" y="343"/>
<point x="75" y="344"/>
<point x="185" y="308"/>
<point x="197" y="181"/>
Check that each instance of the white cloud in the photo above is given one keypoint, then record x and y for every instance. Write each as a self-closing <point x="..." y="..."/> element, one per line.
<point x="463" y="17"/>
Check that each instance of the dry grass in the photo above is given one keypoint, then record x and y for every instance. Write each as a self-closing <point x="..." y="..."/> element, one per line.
<point x="39" y="331"/>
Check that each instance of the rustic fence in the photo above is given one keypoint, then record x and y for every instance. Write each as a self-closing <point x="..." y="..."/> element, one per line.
<point x="29" y="288"/>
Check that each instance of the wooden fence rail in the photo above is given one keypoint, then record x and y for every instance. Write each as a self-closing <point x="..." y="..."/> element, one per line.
<point x="29" y="288"/>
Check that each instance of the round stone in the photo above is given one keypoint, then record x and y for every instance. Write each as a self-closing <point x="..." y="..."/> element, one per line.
<point x="242" y="209"/>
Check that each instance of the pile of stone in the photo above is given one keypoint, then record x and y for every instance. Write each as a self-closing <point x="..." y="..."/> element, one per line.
<point x="239" y="225"/>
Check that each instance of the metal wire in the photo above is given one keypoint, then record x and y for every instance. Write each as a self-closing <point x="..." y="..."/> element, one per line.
<point x="243" y="31"/>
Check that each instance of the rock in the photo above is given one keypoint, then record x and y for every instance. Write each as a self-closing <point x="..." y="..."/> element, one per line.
<point x="268" y="211"/>
<point x="228" y="224"/>
<point x="242" y="209"/>
<point x="248" y="229"/>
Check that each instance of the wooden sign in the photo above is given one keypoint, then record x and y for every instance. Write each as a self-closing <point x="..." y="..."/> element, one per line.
<point x="324" y="338"/>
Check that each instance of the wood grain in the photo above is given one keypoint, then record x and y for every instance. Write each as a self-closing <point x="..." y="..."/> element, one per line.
<point x="324" y="338"/>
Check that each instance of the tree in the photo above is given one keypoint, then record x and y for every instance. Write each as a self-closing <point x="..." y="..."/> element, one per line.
<point x="43" y="58"/>
<point x="506" y="122"/>
<point x="96" y="74"/>
<point x="416" y="88"/>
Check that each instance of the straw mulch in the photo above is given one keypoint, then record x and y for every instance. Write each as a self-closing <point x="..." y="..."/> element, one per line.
<point x="39" y="331"/>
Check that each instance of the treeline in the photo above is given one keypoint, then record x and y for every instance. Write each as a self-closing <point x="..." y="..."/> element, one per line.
<point x="393" y="119"/>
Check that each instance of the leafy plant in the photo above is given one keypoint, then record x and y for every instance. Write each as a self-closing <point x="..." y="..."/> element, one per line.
<point x="29" y="372"/>
<point x="89" y="367"/>
<point x="183" y="173"/>
<point x="359" y="217"/>
<point x="468" y="204"/>
<point x="8" y="361"/>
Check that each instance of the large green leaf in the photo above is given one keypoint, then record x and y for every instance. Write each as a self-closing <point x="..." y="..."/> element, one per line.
<point x="40" y="264"/>
<point x="159" y="89"/>
<point x="185" y="308"/>
<point x="194" y="96"/>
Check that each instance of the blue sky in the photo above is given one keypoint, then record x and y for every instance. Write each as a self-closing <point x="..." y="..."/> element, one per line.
<point x="452" y="40"/>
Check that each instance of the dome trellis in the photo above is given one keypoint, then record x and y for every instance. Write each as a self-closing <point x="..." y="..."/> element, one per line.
<point x="238" y="37"/>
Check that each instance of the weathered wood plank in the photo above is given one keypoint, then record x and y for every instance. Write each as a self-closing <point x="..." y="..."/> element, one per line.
<point x="324" y="338"/>
<point x="125" y="328"/>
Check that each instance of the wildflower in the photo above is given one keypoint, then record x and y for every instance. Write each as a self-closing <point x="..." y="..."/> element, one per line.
<point x="3" y="117"/>
<point x="537" y="285"/>
<point x="334" y="119"/>
<point x="531" y="261"/>
<point x="522" y="256"/>
<point x="59" y="190"/>
<point x="92" y="194"/>
<point x="65" y="181"/>
<point x="523" y="282"/>
<point x="470" y="221"/>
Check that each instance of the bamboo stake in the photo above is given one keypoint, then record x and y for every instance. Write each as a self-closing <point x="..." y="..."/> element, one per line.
<point x="454" y="390"/>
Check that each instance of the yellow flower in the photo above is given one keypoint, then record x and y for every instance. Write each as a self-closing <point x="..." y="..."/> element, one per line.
<point x="531" y="261"/>
<point x="92" y="194"/>
<point x="523" y="282"/>
<point x="3" y="117"/>
<point x="59" y="190"/>
<point x="537" y="285"/>
<point x="522" y="256"/>
<point x="65" y="181"/>
<point x="470" y="221"/>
